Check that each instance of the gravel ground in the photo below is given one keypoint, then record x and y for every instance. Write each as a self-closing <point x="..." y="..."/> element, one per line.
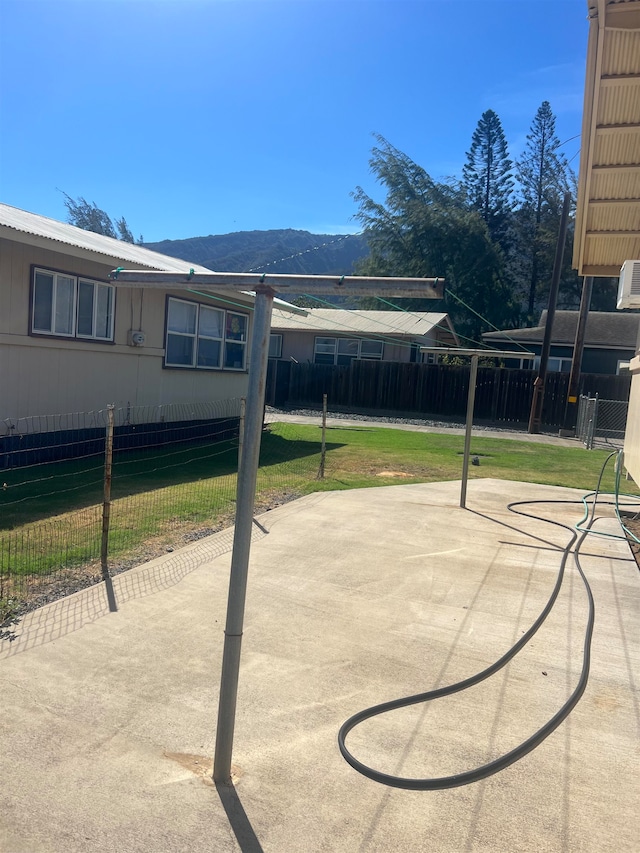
<point x="633" y="525"/>
<point x="67" y="581"/>
<point x="452" y="423"/>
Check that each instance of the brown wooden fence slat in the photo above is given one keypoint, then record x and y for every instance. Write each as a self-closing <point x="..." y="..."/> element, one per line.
<point x="502" y="395"/>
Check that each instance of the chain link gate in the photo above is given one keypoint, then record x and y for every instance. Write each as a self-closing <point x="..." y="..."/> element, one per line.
<point x="601" y="419"/>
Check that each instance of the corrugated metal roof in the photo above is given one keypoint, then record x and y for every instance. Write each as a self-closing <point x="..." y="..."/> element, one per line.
<point x="345" y="321"/>
<point x="613" y="329"/>
<point x="609" y="234"/>
<point x="107" y="248"/>
<point x="69" y="239"/>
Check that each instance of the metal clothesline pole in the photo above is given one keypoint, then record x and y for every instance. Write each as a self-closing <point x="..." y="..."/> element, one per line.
<point x="473" y="375"/>
<point x="471" y="397"/>
<point x="247" y="477"/>
<point x="265" y="288"/>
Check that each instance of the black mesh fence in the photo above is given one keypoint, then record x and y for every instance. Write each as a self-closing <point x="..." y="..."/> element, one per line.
<point x="173" y="481"/>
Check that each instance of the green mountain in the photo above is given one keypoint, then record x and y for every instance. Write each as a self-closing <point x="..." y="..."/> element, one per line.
<point x="277" y="251"/>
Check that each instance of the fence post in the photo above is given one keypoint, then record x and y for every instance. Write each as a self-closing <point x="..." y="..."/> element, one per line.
<point x="594" y="423"/>
<point x="473" y="375"/>
<point x="580" y="418"/>
<point x="106" y="511"/>
<point x="323" y="452"/>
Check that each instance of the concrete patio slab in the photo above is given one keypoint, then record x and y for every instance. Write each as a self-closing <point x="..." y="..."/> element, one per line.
<point x="107" y="721"/>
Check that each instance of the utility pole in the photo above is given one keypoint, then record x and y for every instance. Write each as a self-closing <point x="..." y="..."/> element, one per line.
<point x="571" y="409"/>
<point x="535" y="418"/>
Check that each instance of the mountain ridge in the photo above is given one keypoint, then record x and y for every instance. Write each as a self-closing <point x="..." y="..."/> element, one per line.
<point x="285" y="251"/>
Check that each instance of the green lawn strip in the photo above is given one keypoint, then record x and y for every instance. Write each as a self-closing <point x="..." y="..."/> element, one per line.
<point x="361" y="456"/>
<point x="74" y="538"/>
<point x="55" y="488"/>
<point x="356" y="458"/>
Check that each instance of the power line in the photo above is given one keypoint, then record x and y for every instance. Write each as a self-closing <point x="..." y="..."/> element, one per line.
<point x="484" y="320"/>
<point x="306" y="251"/>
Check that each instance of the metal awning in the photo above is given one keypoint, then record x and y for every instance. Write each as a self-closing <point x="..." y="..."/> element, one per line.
<point x="608" y="208"/>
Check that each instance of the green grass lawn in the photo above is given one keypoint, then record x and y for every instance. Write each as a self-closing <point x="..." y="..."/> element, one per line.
<point x="373" y="456"/>
<point x="50" y="515"/>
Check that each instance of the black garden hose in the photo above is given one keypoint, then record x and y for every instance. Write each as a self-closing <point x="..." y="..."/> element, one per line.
<point x="498" y="764"/>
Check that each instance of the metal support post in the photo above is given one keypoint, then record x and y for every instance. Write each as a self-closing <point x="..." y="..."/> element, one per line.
<point x="247" y="477"/>
<point x="106" y="511"/>
<point x="243" y="409"/>
<point x="471" y="399"/>
<point x="593" y="424"/>
<point x="323" y="451"/>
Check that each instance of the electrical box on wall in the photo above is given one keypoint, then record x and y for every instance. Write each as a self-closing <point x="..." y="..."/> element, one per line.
<point x="629" y="285"/>
<point x="136" y="338"/>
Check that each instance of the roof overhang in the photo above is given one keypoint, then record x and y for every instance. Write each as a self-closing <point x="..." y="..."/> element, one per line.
<point x="608" y="208"/>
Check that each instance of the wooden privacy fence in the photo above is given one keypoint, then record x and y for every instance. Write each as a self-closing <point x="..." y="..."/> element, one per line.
<point x="502" y="394"/>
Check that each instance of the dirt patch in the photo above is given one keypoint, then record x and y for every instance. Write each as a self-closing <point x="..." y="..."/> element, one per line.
<point x="201" y="766"/>
<point x="393" y="474"/>
<point x="633" y="525"/>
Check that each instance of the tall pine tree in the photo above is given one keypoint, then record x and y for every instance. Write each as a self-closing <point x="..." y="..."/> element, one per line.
<point x="544" y="177"/>
<point x="487" y="176"/>
<point x="425" y="228"/>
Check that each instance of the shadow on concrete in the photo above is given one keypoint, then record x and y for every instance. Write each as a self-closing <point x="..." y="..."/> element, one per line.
<point x="238" y="819"/>
<point x="69" y="614"/>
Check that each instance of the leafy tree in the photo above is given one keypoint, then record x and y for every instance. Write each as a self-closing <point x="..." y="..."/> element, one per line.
<point x="544" y="177"/>
<point x="90" y="217"/>
<point x="426" y="229"/>
<point x="124" y="232"/>
<point x="487" y="176"/>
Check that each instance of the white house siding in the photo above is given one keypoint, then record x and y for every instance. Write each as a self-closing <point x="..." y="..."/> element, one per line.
<point x="44" y="376"/>
<point x="300" y="345"/>
<point x="297" y="345"/>
<point x="632" y="435"/>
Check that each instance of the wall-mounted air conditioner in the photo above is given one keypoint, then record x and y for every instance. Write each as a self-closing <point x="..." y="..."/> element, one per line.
<point x="629" y="286"/>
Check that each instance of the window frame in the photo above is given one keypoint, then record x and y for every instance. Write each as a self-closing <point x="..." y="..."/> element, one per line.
<point x="275" y="338"/>
<point x="555" y="363"/>
<point x="338" y="355"/>
<point x="76" y="280"/>
<point x="196" y="337"/>
<point x="370" y="357"/>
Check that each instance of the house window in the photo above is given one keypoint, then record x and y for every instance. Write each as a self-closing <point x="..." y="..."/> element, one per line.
<point x="71" y="307"/>
<point x="325" y="351"/>
<point x="371" y="349"/>
<point x="344" y="350"/>
<point x="555" y="364"/>
<point x="204" y="337"/>
<point x="275" y="346"/>
<point x="347" y="350"/>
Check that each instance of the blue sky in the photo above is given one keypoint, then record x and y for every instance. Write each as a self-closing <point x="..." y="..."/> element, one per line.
<point x="208" y="116"/>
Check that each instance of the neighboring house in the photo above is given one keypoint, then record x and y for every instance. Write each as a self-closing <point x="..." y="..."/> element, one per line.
<point x="610" y="341"/>
<point x="71" y="340"/>
<point x="338" y="335"/>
